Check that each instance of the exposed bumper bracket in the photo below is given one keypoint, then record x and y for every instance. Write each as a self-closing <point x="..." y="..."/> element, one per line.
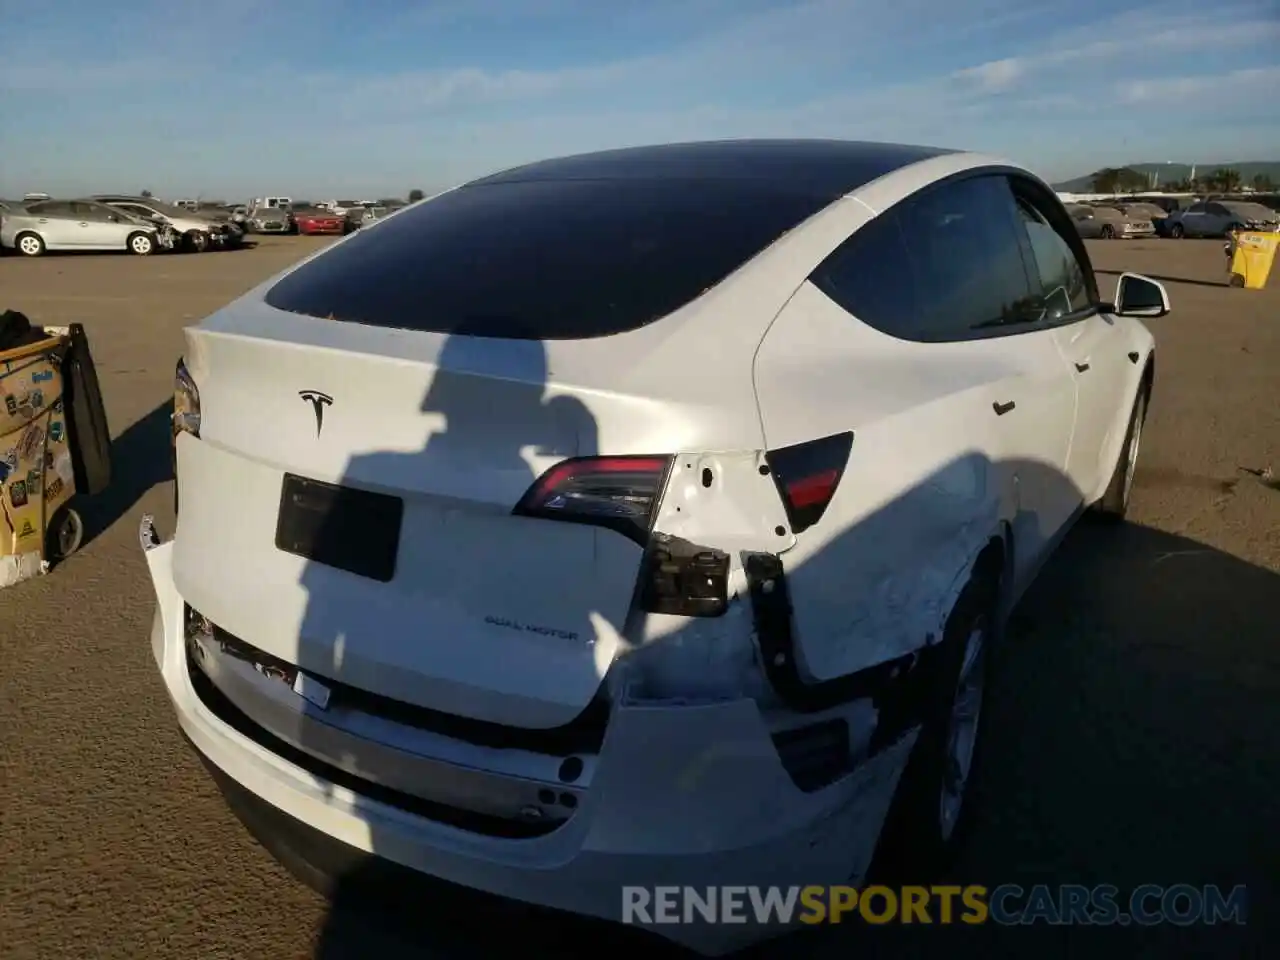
<point x="895" y="686"/>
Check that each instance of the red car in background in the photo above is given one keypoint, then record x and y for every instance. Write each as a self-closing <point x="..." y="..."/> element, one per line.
<point x="313" y="220"/>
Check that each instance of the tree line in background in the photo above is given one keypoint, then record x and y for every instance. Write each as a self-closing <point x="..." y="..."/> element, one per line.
<point x="1222" y="180"/>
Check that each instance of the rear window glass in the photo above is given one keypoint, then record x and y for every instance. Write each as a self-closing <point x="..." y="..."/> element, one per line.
<point x="550" y="260"/>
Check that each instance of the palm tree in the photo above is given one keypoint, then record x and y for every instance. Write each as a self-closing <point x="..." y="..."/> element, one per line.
<point x="1225" y="179"/>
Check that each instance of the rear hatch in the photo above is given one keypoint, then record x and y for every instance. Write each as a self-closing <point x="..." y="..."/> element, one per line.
<point x="438" y="365"/>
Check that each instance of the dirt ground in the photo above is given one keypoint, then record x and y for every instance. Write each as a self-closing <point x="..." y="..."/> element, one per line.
<point x="1133" y="718"/>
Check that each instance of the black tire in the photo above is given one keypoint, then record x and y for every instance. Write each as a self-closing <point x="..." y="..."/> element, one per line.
<point x="29" y="244"/>
<point x="1108" y="232"/>
<point x="1114" y="504"/>
<point x="1236" y="280"/>
<point x="141" y="244"/>
<point x="197" y="241"/>
<point x="64" y="535"/>
<point x="1177" y="231"/>
<point x="918" y="840"/>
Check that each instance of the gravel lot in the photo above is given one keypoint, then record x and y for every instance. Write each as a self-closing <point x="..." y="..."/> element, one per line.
<point x="1134" y="721"/>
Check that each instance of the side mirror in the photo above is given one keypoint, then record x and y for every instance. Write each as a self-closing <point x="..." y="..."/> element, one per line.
<point x="1139" y="296"/>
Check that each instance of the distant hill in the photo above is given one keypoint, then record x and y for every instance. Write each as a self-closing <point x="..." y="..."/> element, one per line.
<point x="1172" y="172"/>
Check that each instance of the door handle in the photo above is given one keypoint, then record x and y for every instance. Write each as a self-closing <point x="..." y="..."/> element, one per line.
<point x="1002" y="408"/>
<point x="1082" y="367"/>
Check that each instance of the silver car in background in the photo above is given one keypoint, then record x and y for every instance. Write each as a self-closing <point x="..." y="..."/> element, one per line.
<point x="269" y="220"/>
<point x="1217" y="218"/>
<point x="53" y="225"/>
<point x="1109" y="223"/>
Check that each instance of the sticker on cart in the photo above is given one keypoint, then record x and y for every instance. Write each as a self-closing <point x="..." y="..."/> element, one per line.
<point x="42" y="376"/>
<point x="55" y="431"/>
<point x="18" y="493"/>
<point x="53" y="489"/>
<point x="28" y="530"/>
<point x="30" y="443"/>
<point x="11" y="404"/>
<point x="62" y="466"/>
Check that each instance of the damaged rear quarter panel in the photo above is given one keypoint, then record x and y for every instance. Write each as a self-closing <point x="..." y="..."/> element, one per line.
<point x="923" y="493"/>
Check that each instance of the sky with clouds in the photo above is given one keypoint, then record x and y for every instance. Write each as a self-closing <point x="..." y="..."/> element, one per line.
<point x="328" y="97"/>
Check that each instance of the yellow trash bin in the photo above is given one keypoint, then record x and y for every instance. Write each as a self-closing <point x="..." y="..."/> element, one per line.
<point x="1251" y="262"/>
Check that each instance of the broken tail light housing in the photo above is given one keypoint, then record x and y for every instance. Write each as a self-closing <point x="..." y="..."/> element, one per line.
<point x="807" y="476"/>
<point x="623" y="494"/>
<point x="186" y="402"/>
<point x="620" y="493"/>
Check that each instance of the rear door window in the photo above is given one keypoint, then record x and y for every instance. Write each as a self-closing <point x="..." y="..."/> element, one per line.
<point x="1062" y="288"/>
<point x="547" y="259"/>
<point x="50" y="208"/>
<point x="945" y="264"/>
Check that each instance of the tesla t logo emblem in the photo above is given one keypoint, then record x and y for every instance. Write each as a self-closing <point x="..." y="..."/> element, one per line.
<point x="318" y="402"/>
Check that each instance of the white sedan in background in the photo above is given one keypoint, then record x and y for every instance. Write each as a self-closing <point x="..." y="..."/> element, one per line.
<point x="640" y="517"/>
<point x="60" y="225"/>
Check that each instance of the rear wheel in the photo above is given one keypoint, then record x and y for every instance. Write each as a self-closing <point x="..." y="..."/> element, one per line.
<point x="29" y="244"/>
<point x="141" y="244"/>
<point x="197" y="241"/>
<point x="929" y="811"/>
<point x="1108" y="232"/>
<point x="65" y="534"/>
<point x="1115" y="502"/>
<point x="1177" y="231"/>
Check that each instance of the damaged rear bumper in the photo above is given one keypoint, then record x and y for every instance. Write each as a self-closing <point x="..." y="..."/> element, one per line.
<point x="692" y="795"/>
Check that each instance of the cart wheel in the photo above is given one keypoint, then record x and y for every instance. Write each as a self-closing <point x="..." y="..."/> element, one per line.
<point x="1237" y="280"/>
<point x="65" y="534"/>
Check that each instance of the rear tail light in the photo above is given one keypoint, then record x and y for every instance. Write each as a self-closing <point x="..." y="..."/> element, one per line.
<point x="807" y="476"/>
<point x="620" y="493"/>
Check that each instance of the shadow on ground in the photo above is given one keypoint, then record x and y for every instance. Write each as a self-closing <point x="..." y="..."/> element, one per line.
<point x="140" y="459"/>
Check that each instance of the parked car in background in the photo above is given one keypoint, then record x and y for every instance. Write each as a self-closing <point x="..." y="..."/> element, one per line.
<point x="56" y="225"/>
<point x="1142" y="209"/>
<point x="264" y="219"/>
<point x="619" y="622"/>
<point x="1217" y="218"/>
<point x="196" y="231"/>
<point x="1109" y="223"/>
<point x="314" y="220"/>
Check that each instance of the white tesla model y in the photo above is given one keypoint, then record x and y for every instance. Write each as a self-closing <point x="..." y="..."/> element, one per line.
<point x="639" y="517"/>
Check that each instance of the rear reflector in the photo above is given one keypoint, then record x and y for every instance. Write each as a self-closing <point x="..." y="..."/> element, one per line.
<point x="807" y="476"/>
<point x="620" y="493"/>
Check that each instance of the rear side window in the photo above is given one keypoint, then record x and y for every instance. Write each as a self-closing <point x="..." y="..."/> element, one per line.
<point x="945" y="264"/>
<point x="1062" y="279"/>
<point x="551" y="260"/>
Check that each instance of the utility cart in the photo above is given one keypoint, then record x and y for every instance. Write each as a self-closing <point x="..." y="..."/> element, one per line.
<point x="54" y="443"/>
